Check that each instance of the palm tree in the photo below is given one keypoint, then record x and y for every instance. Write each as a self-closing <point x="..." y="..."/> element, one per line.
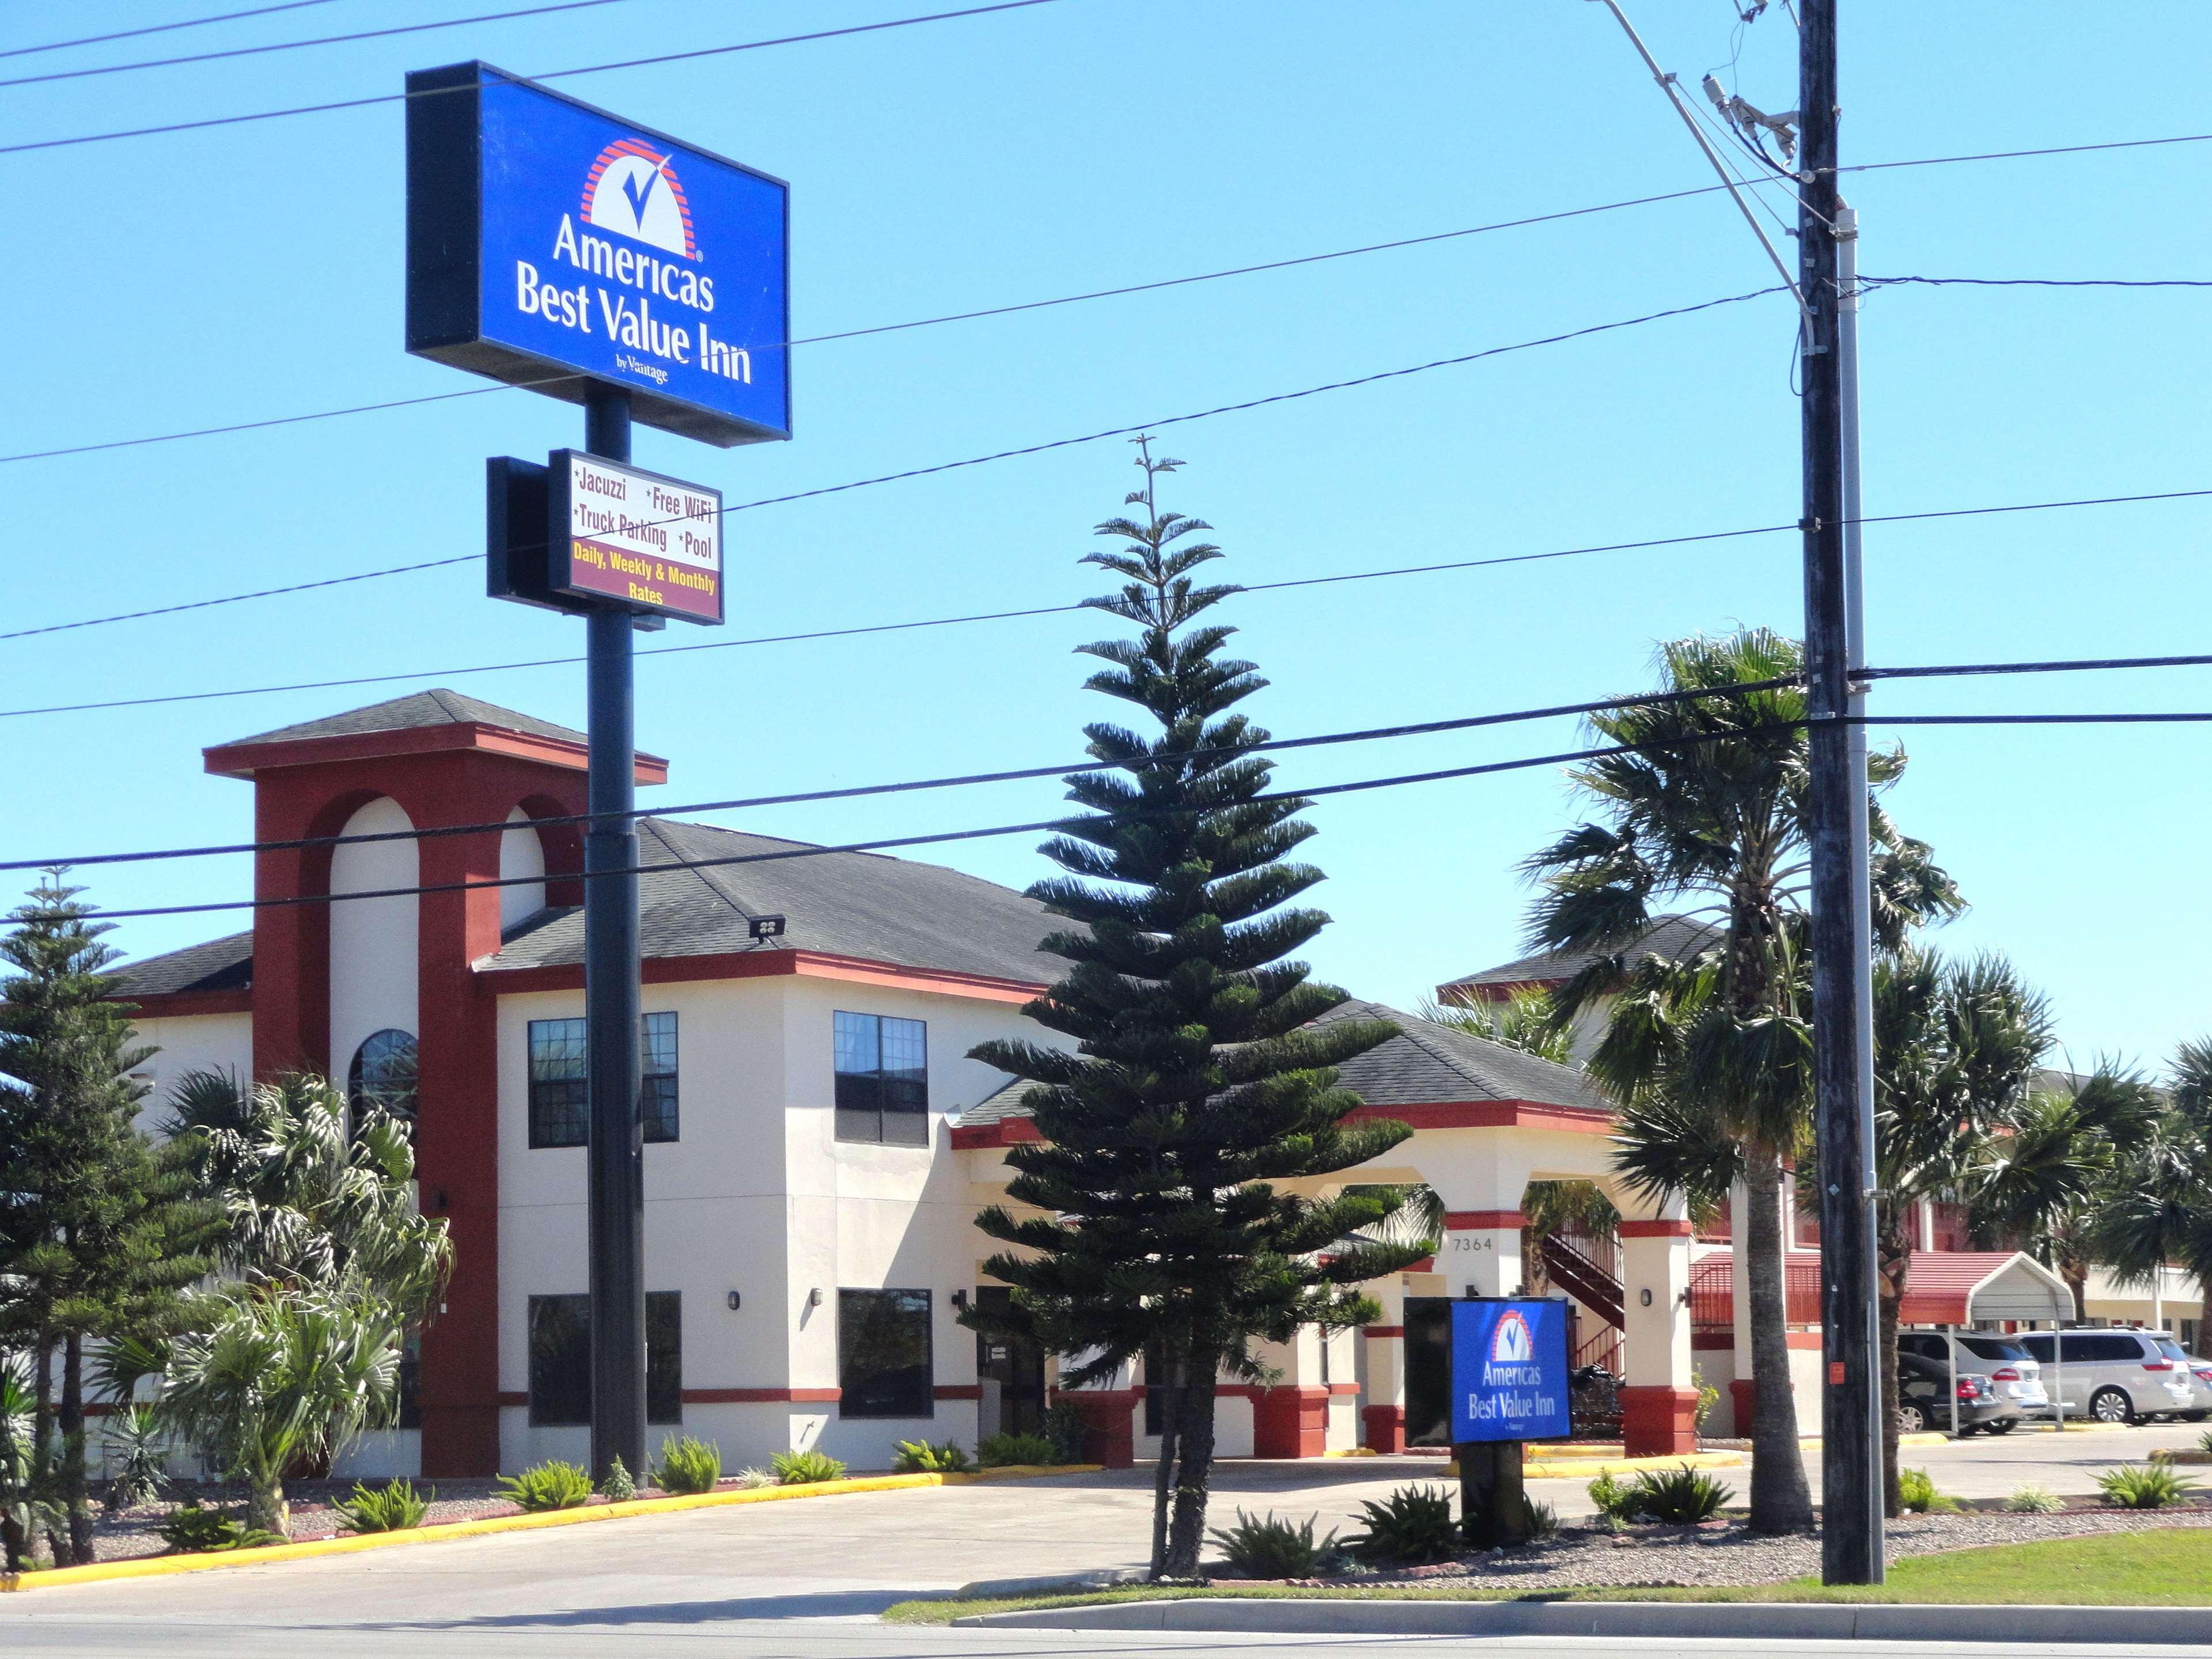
<point x="2160" y="1197"/>
<point x="291" y="1359"/>
<point x="2059" y="1165"/>
<point x="1955" y="1048"/>
<point x="1704" y="812"/>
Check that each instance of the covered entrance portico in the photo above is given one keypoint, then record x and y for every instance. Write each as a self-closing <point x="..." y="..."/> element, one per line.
<point x="1487" y="1121"/>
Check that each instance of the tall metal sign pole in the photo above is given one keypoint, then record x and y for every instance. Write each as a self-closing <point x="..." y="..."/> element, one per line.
<point x="612" y="1016"/>
<point x="558" y="248"/>
<point x="1851" y="1494"/>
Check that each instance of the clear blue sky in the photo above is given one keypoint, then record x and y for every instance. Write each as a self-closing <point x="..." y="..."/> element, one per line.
<point x="198" y="278"/>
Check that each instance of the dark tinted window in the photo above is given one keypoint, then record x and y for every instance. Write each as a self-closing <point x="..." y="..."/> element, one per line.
<point x="1991" y="1347"/>
<point x="883" y="1079"/>
<point x="1928" y="1347"/>
<point x="2094" y="1347"/>
<point x="657" y="1090"/>
<point x="560" y="1358"/>
<point x="383" y="1075"/>
<point x="883" y="1363"/>
<point x="559" y="1115"/>
<point x="560" y="1107"/>
<point x="2038" y="1347"/>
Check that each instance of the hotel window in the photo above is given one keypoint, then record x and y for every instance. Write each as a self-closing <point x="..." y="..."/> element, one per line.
<point x="559" y="1113"/>
<point x="885" y="1367"/>
<point x="560" y="1358"/>
<point x="883" y="1079"/>
<point x="383" y="1075"/>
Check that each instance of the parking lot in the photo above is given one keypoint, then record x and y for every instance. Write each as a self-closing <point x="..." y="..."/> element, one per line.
<point x="841" y="1557"/>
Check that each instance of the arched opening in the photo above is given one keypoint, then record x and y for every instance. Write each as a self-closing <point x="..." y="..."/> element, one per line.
<point x="384" y="1074"/>
<point x="521" y="860"/>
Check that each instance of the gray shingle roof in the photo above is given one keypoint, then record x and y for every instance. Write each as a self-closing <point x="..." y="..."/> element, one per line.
<point x="220" y="964"/>
<point x="1426" y="1063"/>
<point x="416" y="710"/>
<point x="1673" y="937"/>
<point x="852" y="904"/>
<point x="1432" y="1064"/>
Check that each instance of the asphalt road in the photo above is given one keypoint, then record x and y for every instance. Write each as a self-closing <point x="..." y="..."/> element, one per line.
<point x="809" y="1577"/>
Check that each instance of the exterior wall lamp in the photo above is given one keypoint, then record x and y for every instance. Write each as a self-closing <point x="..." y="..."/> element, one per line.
<point x="735" y="1301"/>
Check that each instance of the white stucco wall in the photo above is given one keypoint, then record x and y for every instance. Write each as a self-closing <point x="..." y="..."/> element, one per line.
<point x="217" y="1042"/>
<point x="521" y="854"/>
<point x="373" y="966"/>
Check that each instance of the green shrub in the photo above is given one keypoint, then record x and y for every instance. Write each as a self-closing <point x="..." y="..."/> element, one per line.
<point x="191" y="1528"/>
<point x="1261" y="1546"/>
<point x="548" y="1485"/>
<point x="805" y="1469"/>
<point x="1005" y="1450"/>
<point x="2205" y="1441"/>
<point x="1614" y="1500"/>
<point x="1064" y="1426"/>
<point x="1683" y="1496"/>
<point x="2032" y="1499"/>
<point x="688" y="1465"/>
<point x="751" y="1479"/>
<point x="619" y="1487"/>
<point x="919" y="1458"/>
<point x="1542" y="1519"/>
<point x="395" y="1507"/>
<point x="1916" y="1490"/>
<point x="1412" y="1525"/>
<point x="2145" y="1487"/>
<point x="138" y="1444"/>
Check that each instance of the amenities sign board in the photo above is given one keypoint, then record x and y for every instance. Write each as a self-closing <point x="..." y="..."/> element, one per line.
<point x="1508" y="1369"/>
<point x="550" y="244"/>
<point x="648" y="543"/>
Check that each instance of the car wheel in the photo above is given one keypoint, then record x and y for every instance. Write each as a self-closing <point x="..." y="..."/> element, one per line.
<point x="1909" y="1420"/>
<point x="2002" y="1425"/>
<point x="2111" y="1406"/>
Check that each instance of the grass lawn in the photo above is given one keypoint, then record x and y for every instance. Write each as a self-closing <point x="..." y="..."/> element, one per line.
<point x="2137" y="1569"/>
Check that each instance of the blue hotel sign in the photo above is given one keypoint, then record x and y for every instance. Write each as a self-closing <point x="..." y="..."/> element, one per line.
<point x="1508" y="1369"/>
<point x="547" y="240"/>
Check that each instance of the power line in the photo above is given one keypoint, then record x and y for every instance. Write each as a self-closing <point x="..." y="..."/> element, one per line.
<point x="881" y="628"/>
<point x="1065" y="821"/>
<point x="1273" y="746"/>
<point x="161" y="29"/>
<point x="295" y="45"/>
<point x="2056" y="665"/>
<point x="895" y="328"/>
<point x="2022" y="154"/>
<point x="2037" y="282"/>
<point x="1058" y="610"/>
<point x="949" y="466"/>
<point x="553" y="75"/>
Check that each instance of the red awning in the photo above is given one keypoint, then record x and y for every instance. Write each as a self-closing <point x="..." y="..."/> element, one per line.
<point x="1945" y="1287"/>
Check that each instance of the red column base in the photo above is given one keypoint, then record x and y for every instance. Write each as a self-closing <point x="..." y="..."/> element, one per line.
<point x="1290" y="1421"/>
<point x="1383" y="1429"/>
<point x="1743" y="1394"/>
<point x="1658" y="1421"/>
<point x="1108" y="1424"/>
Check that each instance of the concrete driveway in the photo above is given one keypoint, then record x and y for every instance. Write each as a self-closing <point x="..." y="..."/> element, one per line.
<point x="836" y="1558"/>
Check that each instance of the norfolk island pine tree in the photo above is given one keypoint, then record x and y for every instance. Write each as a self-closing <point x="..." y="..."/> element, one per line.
<point x="1149" y="1213"/>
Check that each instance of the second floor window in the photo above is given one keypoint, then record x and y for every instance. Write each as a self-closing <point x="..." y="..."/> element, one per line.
<point x="559" y="1113"/>
<point x="883" y="1079"/>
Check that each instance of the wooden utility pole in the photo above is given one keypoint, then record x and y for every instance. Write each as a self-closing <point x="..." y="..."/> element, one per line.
<point x="1851" y="1492"/>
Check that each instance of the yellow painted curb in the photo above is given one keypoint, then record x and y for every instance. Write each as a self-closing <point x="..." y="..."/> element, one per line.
<point x="163" y="1566"/>
<point x="1354" y="1451"/>
<point x="1586" y="1468"/>
<point x="2181" y="1455"/>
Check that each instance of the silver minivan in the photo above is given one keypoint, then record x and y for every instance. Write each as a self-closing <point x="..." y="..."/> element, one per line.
<point x="2117" y="1375"/>
<point x="2009" y="1369"/>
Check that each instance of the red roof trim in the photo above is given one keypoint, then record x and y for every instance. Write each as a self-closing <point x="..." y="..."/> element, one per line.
<point x="1445" y="1114"/>
<point x="768" y="962"/>
<point x="243" y="760"/>
<point x="188" y="1005"/>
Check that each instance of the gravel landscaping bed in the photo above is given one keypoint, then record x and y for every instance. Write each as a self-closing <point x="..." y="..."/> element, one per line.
<point x="1729" y="1553"/>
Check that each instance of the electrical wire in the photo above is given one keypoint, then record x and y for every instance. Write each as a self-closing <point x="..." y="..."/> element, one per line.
<point x="895" y="328"/>
<point x="163" y="29"/>
<point x="2023" y="155"/>
<point x="295" y="45"/>
<point x="939" y="838"/>
<point x="553" y="74"/>
<point x="1273" y="746"/>
<point x="978" y="460"/>
<point x="2037" y="282"/>
<point x="888" y="628"/>
<point x="1057" y="610"/>
<point x="2056" y="665"/>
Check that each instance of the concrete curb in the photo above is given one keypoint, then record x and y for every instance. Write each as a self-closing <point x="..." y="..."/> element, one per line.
<point x="163" y="1566"/>
<point x="2020" y="1626"/>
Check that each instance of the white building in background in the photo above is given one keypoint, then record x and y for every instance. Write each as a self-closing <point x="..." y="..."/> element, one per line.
<point x="817" y="1142"/>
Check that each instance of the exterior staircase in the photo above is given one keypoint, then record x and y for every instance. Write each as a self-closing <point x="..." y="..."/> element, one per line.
<point x="1588" y="1281"/>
